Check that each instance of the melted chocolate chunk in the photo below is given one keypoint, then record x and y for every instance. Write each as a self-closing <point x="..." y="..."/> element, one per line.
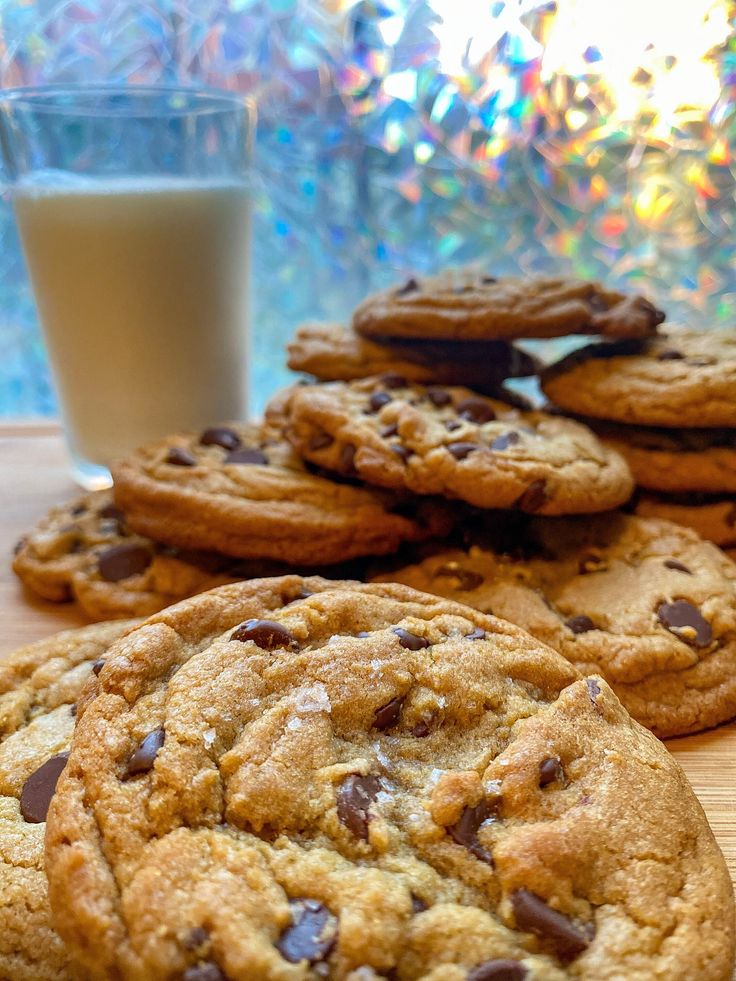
<point x="354" y="798"/>
<point x="378" y="400"/>
<point x="222" y="436"/>
<point x="550" y="770"/>
<point x="686" y="622"/>
<point x="206" y="971"/>
<point x="422" y="728"/>
<point x="534" y="915"/>
<point x="388" y="715"/>
<point x="266" y="634"/>
<point x="392" y="379"/>
<point x="388" y="431"/>
<point x="347" y="459"/>
<point x="669" y="354"/>
<point x="410" y="286"/>
<point x="143" y="758"/>
<point x="196" y="937"/>
<point x="580" y="624"/>
<point x="498" y="970"/>
<point x="250" y="455"/>
<point x="533" y="498"/>
<point x="452" y="424"/>
<point x="403" y="452"/>
<point x="412" y="642"/>
<point x="674" y="564"/>
<point x="122" y="561"/>
<point x="505" y="440"/>
<point x="438" y="397"/>
<point x="39" y="789"/>
<point x="417" y="904"/>
<point x="312" y="933"/>
<point x="320" y="441"/>
<point x="475" y="410"/>
<point x="98" y="665"/>
<point x="488" y="280"/>
<point x="461" y="450"/>
<point x="179" y="457"/>
<point x="465" y="831"/>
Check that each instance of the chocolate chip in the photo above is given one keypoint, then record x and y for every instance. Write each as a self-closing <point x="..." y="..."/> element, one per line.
<point x="505" y="440"/>
<point x="98" y="665"/>
<point x="393" y="380"/>
<point x="550" y="770"/>
<point x="452" y="424"/>
<point x="410" y="286"/>
<point x="461" y="450"/>
<point x="475" y="410"/>
<point x="196" y="937"/>
<point x="670" y="355"/>
<point x="388" y="715"/>
<point x="412" y="642"/>
<point x="39" y="789"/>
<point x="320" y="441"/>
<point x="73" y="710"/>
<point x="417" y="904"/>
<point x="477" y="633"/>
<point x="312" y="933"/>
<point x="533" y="497"/>
<point x="498" y="970"/>
<point x="465" y="831"/>
<point x="403" y="452"/>
<point x="180" y="457"/>
<point x="534" y="915"/>
<point x="250" y="455"/>
<point x="580" y="624"/>
<point x="389" y="431"/>
<point x="488" y="280"/>
<point x="266" y="634"/>
<point x="354" y="798"/>
<point x="438" y="397"/>
<point x="686" y="622"/>
<point x="422" y="728"/>
<point x="347" y="459"/>
<point x="228" y="439"/>
<point x="378" y="400"/>
<point x="122" y="561"/>
<point x="19" y="544"/>
<point x="207" y="971"/>
<point x="142" y="759"/>
<point x="466" y="578"/>
<point x="79" y="509"/>
<point x="110" y="511"/>
<point x="593" y="690"/>
<point x="674" y="564"/>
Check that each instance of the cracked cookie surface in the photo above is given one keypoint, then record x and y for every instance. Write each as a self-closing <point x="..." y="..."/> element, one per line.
<point x="645" y="603"/>
<point x="681" y="378"/>
<point x="467" y="304"/>
<point x="294" y="779"/>
<point x="85" y="551"/>
<point x="241" y="490"/>
<point x="454" y="442"/>
<point x="334" y="353"/>
<point x="39" y="686"/>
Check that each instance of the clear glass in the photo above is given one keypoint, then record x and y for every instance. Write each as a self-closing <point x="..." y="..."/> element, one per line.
<point x="133" y="211"/>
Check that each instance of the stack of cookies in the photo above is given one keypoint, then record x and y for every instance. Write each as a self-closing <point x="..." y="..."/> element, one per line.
<point x="302" y="777"/>
<point x="668" y="405"/>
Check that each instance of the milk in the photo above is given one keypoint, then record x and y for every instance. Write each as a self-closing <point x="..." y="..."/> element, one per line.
<point x="141" y="287"/>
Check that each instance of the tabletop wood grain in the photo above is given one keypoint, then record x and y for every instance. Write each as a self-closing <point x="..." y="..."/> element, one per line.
<point x="34" y="476"/>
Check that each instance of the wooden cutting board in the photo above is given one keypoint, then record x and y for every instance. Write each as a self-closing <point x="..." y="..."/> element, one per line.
<point x="34" y="476"/>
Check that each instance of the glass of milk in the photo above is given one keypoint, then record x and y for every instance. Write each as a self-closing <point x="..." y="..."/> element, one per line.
<point x="132" y="206"/>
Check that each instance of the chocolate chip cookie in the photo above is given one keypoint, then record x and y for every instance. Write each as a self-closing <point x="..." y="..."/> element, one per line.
<point x="300" y="779"/>
<point x="85" y="551"/>
<point x="334" y="353"/>
<point x="646" y="603"/>
<point x="469" y="305"/>
<point x="712" y="516"/>
<point x="684" y="378"/>
<point x="674" y="460"/>
<point x="39" y="685"/>
<point x="452" y="441"/>
<point x="241" y="490"/>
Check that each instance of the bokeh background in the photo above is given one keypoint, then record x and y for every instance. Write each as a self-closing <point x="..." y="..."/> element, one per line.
<point x="583" y="136"/>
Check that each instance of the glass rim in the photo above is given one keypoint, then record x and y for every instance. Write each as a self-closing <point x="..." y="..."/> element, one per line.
<point x="87" y="100"/>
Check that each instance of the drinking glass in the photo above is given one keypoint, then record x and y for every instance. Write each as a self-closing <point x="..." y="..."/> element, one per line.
<point x="133" y="211"/>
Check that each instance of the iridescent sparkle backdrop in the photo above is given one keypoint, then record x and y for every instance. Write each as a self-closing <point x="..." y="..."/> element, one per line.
<point x="577" y="136"/>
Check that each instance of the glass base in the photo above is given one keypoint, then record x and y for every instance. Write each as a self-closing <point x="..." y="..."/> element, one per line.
<point x="91" y="476"/>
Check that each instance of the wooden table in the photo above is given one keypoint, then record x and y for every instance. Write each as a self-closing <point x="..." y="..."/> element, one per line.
<point x="33" y="476"/>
